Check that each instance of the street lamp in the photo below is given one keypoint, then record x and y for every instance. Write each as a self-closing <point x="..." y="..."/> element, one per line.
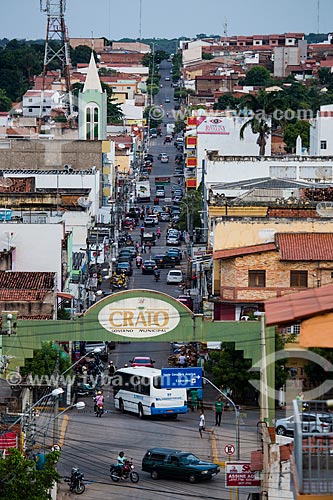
<point x="236" y="415"/>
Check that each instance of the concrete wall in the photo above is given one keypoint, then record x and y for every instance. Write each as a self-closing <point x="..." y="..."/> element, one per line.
<point x="49" y="154"/>
<point x="322" y="130"/>
<point x="234" y="234"/>
<point x="37" y="246"/>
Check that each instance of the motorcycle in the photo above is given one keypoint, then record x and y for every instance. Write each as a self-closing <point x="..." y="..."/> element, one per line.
<point x="75" y="482"/>
<point x="128" y="472"/>
<point x="157" y="277"/>
<point x="99" y="410"/>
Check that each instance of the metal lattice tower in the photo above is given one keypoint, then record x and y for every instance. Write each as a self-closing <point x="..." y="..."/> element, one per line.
<point x="56" y="31"/>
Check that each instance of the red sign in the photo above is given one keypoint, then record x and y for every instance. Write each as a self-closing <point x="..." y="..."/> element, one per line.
<point x="239" y="474"/>
<point x="191" y="162"/>
<point x="191" y="121"/>
<point x="8" y="440"/>
<point x="191" y="183"/>
<point x="191" y="142"/>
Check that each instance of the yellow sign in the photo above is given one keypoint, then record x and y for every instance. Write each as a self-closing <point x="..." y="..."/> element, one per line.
<point x="139" y="317"/>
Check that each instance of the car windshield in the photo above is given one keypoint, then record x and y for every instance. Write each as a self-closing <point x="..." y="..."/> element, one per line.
<point x="189" y="459"/>
<point x="141" y="361"/>
<point x="149" y="263"/>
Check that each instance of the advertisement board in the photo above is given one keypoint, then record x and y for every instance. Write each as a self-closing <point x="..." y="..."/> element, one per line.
<point x="239" y="475"/>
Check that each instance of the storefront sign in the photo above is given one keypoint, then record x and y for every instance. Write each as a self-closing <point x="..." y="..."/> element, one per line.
<point x="239" y="474"/>
<point x="212" y="126"/>
<point x="139" y="317"/>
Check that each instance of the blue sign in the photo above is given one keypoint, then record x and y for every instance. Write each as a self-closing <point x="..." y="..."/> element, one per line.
<point x="181" y="378"/>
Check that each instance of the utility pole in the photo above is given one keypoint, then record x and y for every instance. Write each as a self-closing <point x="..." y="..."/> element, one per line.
<point x="204" y="203"/>
<point x="56" y="403"/>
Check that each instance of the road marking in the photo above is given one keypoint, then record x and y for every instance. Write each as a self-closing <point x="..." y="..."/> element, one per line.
<point x="64" y="424"/>
<point x="213" y="439"/>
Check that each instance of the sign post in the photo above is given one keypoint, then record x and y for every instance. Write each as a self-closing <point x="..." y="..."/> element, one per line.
<point x="181" y="378"/>
<point x="239" y="475"/>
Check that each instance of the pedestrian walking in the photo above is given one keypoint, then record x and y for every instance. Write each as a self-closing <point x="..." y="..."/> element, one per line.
<point x="143" y="248"/>
<point x="201" y="423"/>
<point x="219" y="406"/>
<point x="194" y="280"/>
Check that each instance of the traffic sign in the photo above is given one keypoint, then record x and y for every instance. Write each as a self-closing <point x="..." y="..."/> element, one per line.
<point x="181" y="378"/>
<point x="229" y="449"/>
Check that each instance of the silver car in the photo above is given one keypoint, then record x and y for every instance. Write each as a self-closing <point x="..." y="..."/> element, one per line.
<point x="311" y="422"/>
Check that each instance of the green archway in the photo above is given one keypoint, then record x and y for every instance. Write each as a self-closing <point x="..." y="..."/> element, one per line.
<point x="140" y="316"/>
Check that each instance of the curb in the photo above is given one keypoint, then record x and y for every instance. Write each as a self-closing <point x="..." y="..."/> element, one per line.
<point x="213" y="440"/>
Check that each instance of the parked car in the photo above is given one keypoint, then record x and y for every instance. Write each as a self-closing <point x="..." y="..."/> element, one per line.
<point x="167" y="100"/>
<point x="124" y="267"/>
<point x="174" y="276"/>
<point x="177" y="199"/>
<point x="179" y="158"/>
<point x="142" y="361"/>
<point x="149" y="157"/>
<point x="311" y="422"/>
<point x="176" y="464"/>
<point x="148" y="266"/>
<point x="178" y="172"/>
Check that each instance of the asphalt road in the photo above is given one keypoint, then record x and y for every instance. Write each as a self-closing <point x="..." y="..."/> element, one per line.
<point x="93" y="444"/>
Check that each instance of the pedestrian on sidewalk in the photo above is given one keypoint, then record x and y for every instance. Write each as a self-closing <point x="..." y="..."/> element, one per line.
<point x="219" y="406"/>
<point x="201" y="423"/>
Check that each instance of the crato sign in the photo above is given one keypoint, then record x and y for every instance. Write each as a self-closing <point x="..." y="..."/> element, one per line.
<point x="139" y="317"/>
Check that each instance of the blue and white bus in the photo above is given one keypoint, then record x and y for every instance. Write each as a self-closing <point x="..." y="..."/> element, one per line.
<point x="138" y="390"/>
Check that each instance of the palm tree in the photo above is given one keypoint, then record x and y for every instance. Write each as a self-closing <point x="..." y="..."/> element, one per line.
<point x="262" y="106"/>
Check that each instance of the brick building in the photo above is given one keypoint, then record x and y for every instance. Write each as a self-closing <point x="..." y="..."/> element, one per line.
<point x="249" y="275"/>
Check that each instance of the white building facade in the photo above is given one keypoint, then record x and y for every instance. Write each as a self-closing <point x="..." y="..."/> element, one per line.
<point x="321" y="132"/>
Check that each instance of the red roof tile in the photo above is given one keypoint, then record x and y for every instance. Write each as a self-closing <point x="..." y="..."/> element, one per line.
<point x="25" y="286"/>
<point x="297" y="306"/>
<point x="234" y="252"/>
<point x="305" y="246"/>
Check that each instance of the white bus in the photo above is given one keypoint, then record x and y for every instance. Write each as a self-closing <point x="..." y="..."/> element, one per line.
<point x="138" y="390"/>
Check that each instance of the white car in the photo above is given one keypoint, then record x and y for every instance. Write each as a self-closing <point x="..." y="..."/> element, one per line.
<point x="311" y="422"/>
<point x="164" y="158"/>
<point x="174" y="276"/>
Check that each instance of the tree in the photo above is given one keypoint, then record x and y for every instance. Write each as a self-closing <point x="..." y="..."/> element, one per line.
<point x="45" y="359"/>
<point x="292" y="130"/>
<point x="19" y="477"/>
<point x="262" y="106"/>
<point x="228" y="367"/>
<point x="190" y="208"/>
<point x="258" y="76"/>
<point x="5" y="102"/>
<point x="207" y="56"/>
<point x="315" y="373"/>
<point x="81" y="54"/>
<point x="226" y="101"/>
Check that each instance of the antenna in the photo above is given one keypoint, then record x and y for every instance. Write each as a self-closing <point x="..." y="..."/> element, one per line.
<point x="318" y="16"/>
<point x="225" y="30"/>
<point x="140" y="21"/>
<point x="56" y="31"/>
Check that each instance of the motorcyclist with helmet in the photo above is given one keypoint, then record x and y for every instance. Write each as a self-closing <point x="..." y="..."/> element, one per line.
<point x="99" y="404"/>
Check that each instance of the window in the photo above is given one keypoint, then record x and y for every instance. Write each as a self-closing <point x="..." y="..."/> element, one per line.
<point x="323" y="144"/>
<point x="257" y="278"/>
<point x="299" y="279"/>
<point x="30" y="100"/>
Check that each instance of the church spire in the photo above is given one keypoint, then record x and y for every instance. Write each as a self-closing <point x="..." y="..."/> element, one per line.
<point x="92" y="80"/>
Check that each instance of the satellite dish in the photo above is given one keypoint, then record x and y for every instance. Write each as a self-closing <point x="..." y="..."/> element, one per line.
<point x="121" y="145"/>
<point x="84" y="202"/>
<point x="325" y="209"/>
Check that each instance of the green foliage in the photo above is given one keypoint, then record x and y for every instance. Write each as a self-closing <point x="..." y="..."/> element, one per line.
<point x="293" y="130"/>
<point x="190" y="208"/>
<point x="281" y="374"/>
<point x="18" y="63"/>
<point x="226" y="101"/>
<point x="5" y="102"/>
<point x="81" y="54"/>
<point x="207" y="56"/>
<point x="106" y="72"/>
<point x="19" y="477"/>
<point x="44" y="361"/>
<point x="228" y="367"/>
<point x="315" y="373"/>
<point x="258" y="76"/>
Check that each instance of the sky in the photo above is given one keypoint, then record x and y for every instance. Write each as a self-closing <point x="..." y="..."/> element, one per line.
<point x="116" y="19"/>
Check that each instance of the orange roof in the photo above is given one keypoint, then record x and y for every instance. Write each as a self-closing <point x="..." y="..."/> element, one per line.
<point x="297" y="306"/>
<point x="234" y="252"/>
<point x="305" y="246"/>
